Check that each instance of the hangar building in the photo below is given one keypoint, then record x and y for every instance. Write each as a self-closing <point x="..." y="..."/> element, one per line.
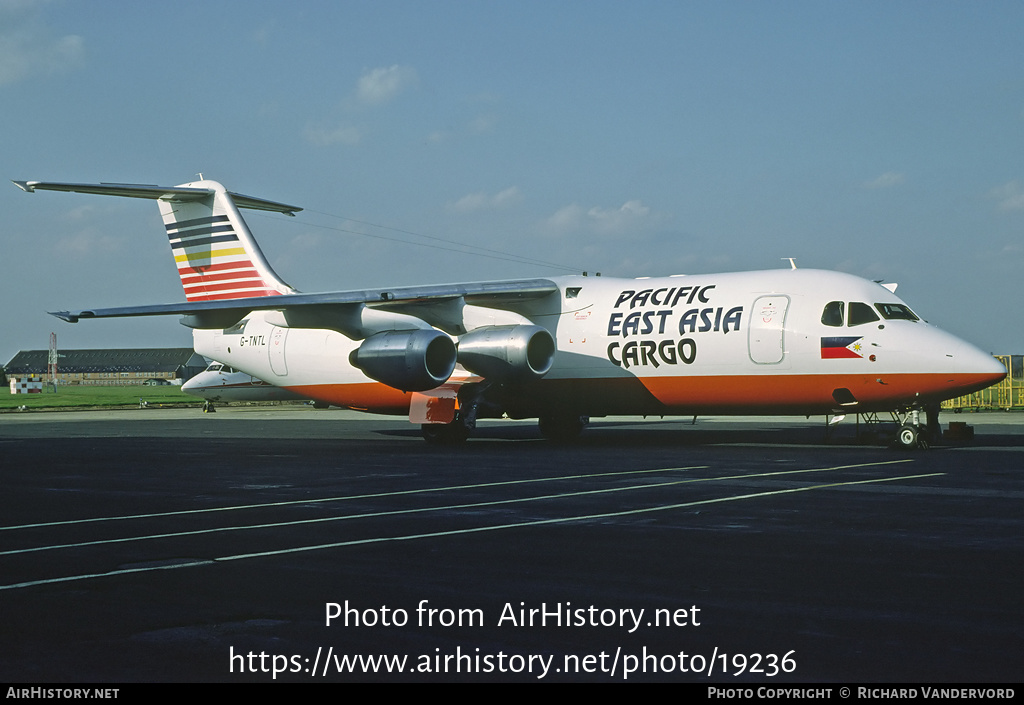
<point x="110" y="367"/>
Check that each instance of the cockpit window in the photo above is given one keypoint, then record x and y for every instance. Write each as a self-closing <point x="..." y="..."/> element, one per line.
<point x="220" y="367"/>
<point x="860" y="314"/>
<point x="896" y="312"/>
<point x="833" y="314"/>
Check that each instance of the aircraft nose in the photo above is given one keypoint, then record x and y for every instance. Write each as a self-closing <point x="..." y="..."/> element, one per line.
<point x="189" y="386"/>
<point x="969" y="360"/>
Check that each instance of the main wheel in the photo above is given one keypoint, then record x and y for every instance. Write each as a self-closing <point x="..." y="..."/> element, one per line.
<point x="445" y="433"/>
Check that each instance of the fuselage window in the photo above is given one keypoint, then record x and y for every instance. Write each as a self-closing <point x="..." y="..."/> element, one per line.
<point x="896" y="312"/>
<point x="860" y="314"/>
<point x="833" y="314"/>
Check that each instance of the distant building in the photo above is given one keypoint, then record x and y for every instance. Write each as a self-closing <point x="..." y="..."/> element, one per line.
<point x="110" y="367"/>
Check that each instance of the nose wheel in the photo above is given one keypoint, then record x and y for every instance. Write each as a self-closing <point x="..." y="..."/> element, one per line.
<point x="911" y="437"/>
<point x="914" y="435"/>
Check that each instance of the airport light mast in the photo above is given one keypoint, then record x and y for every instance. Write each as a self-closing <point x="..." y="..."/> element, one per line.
<point x="51" y="366"/>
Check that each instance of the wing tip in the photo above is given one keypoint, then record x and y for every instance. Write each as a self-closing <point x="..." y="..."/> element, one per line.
<point x="67" y="316"/>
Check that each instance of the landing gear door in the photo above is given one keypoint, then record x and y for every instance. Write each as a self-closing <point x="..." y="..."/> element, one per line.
<point x="768" y="329"/>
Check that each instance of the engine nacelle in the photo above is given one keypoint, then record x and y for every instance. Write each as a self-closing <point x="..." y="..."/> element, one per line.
<point x="410" y="360"/>
<point x="508" y="353"/>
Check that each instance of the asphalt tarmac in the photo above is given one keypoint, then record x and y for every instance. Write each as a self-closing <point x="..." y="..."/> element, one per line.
<point x="287" y="544"/>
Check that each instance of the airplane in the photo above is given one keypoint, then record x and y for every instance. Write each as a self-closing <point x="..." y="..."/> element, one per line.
<point x="562" y="349"/>
<point x="219" y="382"/>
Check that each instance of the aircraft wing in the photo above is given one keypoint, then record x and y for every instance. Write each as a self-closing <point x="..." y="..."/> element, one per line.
<point x="507" y="295"/>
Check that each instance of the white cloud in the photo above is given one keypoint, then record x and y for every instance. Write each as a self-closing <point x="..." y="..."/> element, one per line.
<point x="12" y="7"/>
<point x="483" y="124"/>
<point x="261" y="35"/>
<point x="483" y="201"/>
<point x="28" y="48"/>
<point x="28" y="52"/>
<point x="566" y="219"/>
<point x="375" y="87"/>
<point x="87" y="244"/>
<point x="1009" y="195"/>
<point x="617" y="220"/>
<point x="480" y="125"/>
<point x="382" y="84"/>
<point x="887" y="180"/>
<point x="631" y="216"/>
<point x="82" y="213"/>
<point x="328" y="136"/>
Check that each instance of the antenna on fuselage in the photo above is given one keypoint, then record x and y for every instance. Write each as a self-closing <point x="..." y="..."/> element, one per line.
<point x="791" y="260"/>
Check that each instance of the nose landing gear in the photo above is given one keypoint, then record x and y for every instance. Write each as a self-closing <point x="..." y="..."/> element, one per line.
<point x="910" y="437"/>
<point x="912" y="433"/>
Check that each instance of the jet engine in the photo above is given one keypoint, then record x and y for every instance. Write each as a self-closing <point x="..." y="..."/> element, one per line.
<point x="508" y="353"/>
<point x="410" y="360"/>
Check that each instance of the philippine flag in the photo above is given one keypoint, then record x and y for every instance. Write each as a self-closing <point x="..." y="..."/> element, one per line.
<point x="841" y="347"/>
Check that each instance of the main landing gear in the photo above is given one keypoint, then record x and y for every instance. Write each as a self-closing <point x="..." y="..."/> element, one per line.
<point x="556" y="428"/>
<point x="453" y="433"/>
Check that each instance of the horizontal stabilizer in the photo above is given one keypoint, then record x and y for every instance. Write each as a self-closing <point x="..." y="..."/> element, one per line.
<point x="153" y="192"/>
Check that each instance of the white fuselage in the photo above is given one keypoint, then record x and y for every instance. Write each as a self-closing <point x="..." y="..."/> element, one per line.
<point x="746" y="342"/>
<point x="220" y="383"/>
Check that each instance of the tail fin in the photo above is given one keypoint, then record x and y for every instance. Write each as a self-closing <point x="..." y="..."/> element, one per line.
<point x="216" y="255"/>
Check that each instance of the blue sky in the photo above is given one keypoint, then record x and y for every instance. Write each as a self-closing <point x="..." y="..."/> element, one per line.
<point x="885" y="139"/>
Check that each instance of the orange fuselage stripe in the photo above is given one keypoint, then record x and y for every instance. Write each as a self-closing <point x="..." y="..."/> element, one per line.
<point x="722" y="394"/>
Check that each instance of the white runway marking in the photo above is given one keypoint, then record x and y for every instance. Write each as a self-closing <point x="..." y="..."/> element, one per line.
<point x="369" y="515"/>
<point x="562" y="520"/>
<point x="399" y="493"/>
<point x="321" y="520"/>
<point x="538" y="522"/>
<point x="343" y="498"/>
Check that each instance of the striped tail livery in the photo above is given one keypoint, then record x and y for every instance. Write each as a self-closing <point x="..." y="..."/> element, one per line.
<point x="216" y="255"/>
